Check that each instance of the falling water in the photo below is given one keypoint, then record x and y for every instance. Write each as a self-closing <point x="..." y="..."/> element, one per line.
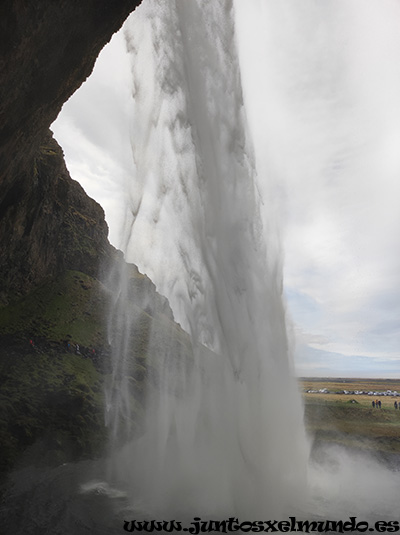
<point x="233" y="102"/>
<point x="217" y="438"/>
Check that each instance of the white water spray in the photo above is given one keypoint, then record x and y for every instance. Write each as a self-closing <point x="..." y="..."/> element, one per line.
<point x="320" y="94"/>
<point x="217" y="438"/>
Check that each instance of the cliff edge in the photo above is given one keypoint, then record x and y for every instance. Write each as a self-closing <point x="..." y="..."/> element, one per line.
<point x="48" y="49"/>
<point x="54" y="346"/>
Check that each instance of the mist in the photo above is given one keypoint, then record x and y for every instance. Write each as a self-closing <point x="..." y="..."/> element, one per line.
<point x="296" y="106"/>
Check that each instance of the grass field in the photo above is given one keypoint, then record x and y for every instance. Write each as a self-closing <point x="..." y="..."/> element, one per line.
<point x="349" y="419"/>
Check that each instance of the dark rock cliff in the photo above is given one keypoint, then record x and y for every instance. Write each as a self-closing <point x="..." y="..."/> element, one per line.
<point x="47" y="50"/>
<point x="47" y="225"/>
<point x="53" y="240"/>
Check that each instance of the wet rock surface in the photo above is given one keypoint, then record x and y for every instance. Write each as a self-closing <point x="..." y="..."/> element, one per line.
<point x="59" y="500"/>
<point x="47" y="222"/>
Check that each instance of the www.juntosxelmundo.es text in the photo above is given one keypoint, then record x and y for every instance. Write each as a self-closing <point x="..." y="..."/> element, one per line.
<point x="352" y="525"/>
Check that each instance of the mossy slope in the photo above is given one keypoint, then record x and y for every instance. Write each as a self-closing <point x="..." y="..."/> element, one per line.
<point x="49" y="393"/>
<point x="68" y="308"/>
<point x="54" y="398"/>
<point x="51" y="396"/>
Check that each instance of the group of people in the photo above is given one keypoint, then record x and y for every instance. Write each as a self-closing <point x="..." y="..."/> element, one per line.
<point x="71" y="348"/>
<point x="85" y="352"/>
<point x="378" y="404"/>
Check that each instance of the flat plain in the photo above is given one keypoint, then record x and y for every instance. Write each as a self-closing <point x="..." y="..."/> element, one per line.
<point x="340" y="411"/>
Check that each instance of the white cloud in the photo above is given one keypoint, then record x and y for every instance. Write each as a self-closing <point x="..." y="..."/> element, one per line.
<point x="93" y="130"/>
<point x="343" y="226"/>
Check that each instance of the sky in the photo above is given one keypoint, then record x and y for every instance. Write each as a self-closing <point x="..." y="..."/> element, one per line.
<point x="321" y="85"/>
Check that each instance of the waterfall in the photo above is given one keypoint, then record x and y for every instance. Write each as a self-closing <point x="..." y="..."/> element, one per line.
<point x="235" y="105"/>
<point x="222" y="432"/>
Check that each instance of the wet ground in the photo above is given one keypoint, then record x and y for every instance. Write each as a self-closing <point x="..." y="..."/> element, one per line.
<point x="71" y="499"/>
<point x="74" y="499"/>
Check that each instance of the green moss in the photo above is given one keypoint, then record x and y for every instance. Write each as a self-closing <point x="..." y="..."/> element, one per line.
<point x="51" y="399"/>
<point x="71" y="307"/>
<point x="56" y="398"/>
<point x="49" y="394"/>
